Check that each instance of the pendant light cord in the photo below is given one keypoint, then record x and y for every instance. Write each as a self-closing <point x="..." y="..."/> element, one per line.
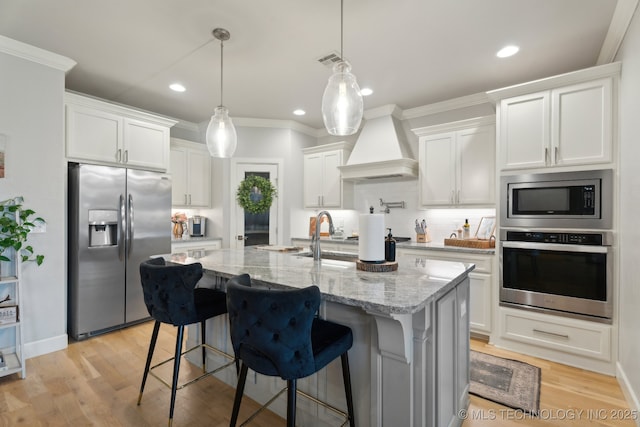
<point x="221" y="71"/>
<point x="341" y="29"/>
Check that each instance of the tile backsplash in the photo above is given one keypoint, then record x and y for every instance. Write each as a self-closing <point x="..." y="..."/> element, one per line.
<point x="440" y="222"/>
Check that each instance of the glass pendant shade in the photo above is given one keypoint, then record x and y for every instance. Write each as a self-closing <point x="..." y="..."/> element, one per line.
<point x="342" y="106"/>
<point x="221" y="136"/>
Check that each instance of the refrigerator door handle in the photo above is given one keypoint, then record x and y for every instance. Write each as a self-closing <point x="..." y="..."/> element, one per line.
<point x="123" y="227"/>
<point x="130" y="225"/>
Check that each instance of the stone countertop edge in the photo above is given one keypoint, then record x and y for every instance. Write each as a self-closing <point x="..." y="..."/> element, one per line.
<point x="405" y="291"/>
<point x="194" y="239"/>
<point x="431" y="246"/>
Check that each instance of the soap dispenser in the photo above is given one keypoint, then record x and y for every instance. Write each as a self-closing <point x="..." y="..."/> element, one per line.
<point x="466" y="230"/>
<point x="390" y="248"/>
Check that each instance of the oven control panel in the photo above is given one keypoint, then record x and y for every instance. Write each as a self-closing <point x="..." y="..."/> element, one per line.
<point x="551" y="237"/>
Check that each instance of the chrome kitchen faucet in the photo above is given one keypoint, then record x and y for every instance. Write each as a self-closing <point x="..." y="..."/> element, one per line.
<point x="315" y="239"/>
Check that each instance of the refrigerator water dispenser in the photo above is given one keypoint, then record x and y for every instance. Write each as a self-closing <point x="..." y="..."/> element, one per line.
<point x="103" y="228"/>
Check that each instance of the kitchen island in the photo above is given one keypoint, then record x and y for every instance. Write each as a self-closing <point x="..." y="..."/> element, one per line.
<point x="410" y="357"/>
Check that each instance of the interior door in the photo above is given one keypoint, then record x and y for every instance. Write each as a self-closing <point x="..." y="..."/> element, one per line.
<point x="255" y="229"/>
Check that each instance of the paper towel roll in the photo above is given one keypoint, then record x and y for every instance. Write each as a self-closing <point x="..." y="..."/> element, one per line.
<point x="371" y="238"/>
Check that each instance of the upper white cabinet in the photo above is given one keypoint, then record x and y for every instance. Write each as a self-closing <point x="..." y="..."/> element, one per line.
<point x="457" y="163"/>
<point x="101" y="132"/>
<point x="190" y="174"/>
<point x="569" y="123"/>
<point x="323" y="185"/>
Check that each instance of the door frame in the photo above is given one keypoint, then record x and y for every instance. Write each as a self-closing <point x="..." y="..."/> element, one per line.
<point x="235" y="163"/>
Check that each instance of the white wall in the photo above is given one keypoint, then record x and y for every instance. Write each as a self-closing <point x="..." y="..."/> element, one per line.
<point x="629" y="348"/>
<point x="31" y="116"/>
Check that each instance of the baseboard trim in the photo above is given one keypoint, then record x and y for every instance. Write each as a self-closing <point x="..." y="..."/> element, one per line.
<point x="48" y="345"/>
<point x="627" y="390"/>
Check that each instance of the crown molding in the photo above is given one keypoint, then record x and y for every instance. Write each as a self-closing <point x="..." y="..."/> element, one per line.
<point x="617" y="29"/>
<point x="448" y="105"/>
<point x="274" y="123"/>
<point x="35" y="54"/>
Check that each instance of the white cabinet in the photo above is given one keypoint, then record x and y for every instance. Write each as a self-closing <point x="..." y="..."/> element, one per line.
<point x="457" y="167"/>
<point x="323" y="185"/>
<point x="452" y="355"/>
<point x="190" y="174"/>
<point x="565" y="126"/>
<point x="480" y="283"/>
<point x="101" y="132"/>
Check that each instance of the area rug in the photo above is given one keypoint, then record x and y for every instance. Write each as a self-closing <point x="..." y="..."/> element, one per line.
<point x="505" y="381"/>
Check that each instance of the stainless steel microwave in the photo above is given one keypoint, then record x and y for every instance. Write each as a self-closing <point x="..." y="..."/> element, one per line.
<point x="581" y="199"/>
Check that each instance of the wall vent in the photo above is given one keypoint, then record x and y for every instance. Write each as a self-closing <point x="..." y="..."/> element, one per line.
<point x="329" y="59"/>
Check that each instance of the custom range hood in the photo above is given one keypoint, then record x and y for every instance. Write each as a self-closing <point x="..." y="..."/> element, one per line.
<point x="381" y="150"/>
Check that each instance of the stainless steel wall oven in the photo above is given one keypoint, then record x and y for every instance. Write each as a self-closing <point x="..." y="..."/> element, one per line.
<point x="567" y="273"/>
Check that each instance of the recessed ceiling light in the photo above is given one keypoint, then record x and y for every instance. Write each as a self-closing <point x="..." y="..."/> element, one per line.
<point x="299" y="112"/>
<point x="365" y="91"/>
<point x="507" y="51"/>
<point x="177" y="87"/>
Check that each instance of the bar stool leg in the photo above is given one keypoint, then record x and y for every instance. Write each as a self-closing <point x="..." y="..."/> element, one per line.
<point x="239" y="392"/>
<point x="203" y="335"/>
<point x="291" y="403"/>
<point x="346" y="375"/>
<point x="152" y="346"/>
<point x="176" y="371"/>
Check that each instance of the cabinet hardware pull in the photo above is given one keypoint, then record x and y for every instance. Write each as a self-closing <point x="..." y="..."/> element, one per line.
<point x="319" y="202"/>
<point x="189" y="198"/>
<point x="458" y="197"/>
<point x="185" y="198"/>
<point x="546" y="156"/>
<point x="126" y="156"/>
<point x="119" y="155"/>
<point x="453" y="196"/>
<point x="322" y="198"/>
<point x="555" y="155"/>
<point x="551" y="333"/>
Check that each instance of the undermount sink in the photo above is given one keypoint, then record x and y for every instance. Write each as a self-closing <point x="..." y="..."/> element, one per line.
<point x="332" y="255"/>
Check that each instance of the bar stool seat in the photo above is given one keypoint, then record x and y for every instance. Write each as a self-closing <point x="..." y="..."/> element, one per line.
<point x="276" y="333"/>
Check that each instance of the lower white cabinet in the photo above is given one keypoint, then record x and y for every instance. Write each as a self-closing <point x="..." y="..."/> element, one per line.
<point x="574" y="342"/>
<point x="195" y="248"/>
<point x="451" y="370"/>
<point x="480" y="280"/>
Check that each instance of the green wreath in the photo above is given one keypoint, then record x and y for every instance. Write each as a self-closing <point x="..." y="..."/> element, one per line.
<point x="256" y="186"/>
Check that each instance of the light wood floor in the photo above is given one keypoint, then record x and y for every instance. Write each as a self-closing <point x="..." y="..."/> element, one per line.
<point x="96" y="382"/>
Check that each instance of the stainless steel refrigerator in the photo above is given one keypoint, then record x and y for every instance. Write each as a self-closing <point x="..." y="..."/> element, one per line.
<point x="117" y="218"/>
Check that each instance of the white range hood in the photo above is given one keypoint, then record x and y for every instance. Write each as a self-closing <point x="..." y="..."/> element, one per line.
<point x="381" y="150"/>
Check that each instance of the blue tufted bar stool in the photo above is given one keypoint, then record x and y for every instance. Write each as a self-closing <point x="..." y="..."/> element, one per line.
<point x="171" y="297"/>
<point x="276" y="333"/>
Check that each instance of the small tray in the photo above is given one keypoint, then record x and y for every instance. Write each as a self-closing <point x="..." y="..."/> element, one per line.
<point x="471" y="243"/>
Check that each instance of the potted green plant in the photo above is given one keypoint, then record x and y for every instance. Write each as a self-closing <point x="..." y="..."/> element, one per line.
<point x="16" y="222"/>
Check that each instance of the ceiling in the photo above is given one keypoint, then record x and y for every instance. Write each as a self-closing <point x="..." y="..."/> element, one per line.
<point x="410" y="52"/>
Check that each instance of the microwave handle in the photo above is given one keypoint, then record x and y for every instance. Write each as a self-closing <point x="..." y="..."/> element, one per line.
<point x="557" y="247"/>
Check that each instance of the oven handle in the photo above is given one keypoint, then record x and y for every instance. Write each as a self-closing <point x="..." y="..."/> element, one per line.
<point x="557" y="247"/>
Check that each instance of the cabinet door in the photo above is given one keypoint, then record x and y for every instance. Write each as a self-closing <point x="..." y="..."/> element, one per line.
<point x="179" y="176"/>
<point x="146" y="145"/>
<point x="331" y="180"/>
<point x="476" y="166"/>
<point x="480" y="302"/>
<point x="437" y="170"/>
<point x="93" y="134"/>
<point x="199" y="178"/>
<point x="462" y="348"/>
<point x="582" y="123"/>
<point x="524" y="131"/>
<point x="313" y="169"/>
<point x="446" y="364"/>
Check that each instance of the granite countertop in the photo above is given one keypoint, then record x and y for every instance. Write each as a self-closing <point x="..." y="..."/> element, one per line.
<point x="438" y="246"/>
<point x="416" y="283"/>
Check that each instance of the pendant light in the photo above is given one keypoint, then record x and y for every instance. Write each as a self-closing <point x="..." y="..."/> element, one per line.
<point x="221" y="136"/>
<point x="342" y="100"/>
